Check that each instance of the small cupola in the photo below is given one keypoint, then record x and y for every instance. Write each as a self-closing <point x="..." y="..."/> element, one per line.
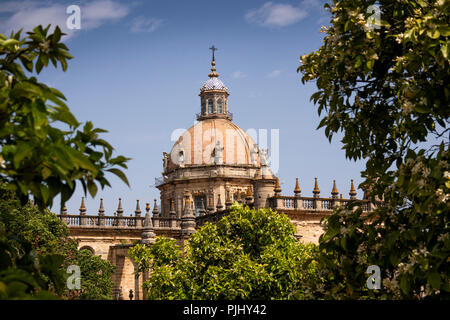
<point x="213" y="95"/>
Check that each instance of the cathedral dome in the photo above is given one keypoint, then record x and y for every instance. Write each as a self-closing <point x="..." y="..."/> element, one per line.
<point x="213" y="84"/>
<point x="214" y="141"/>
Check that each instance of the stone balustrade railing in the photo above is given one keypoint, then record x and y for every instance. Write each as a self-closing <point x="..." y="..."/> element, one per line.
<point x="101" y="221"/>
<point x="295" y="203"/>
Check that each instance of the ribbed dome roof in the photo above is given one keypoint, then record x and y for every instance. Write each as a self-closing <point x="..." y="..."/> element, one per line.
<point x="200" y="142"/>
<point x="213" y="84"/>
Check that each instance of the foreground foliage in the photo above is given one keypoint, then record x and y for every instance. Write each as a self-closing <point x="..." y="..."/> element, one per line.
<point x="385" y="84"/>
<point x="249" y="254"/>
<point x="36" y="251"/>
<point x="44" y="152"/>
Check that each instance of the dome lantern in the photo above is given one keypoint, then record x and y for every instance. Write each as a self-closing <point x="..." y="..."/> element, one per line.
<point x="213" y="95"/>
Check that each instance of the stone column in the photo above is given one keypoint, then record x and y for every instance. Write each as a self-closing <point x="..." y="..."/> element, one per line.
<point x="82" y="213"/>
<point x="188" y="218"/>
<point x="137" y="215"/>
<point x="352" y="192"/>
<point x="316" y="195"/>
<point x="298" y="202"/>
<point x="148" y="234"/>
<point x="155" y="215"/>
<point x="120" y="213"/>
<point x="228" y="200"/>
<point x="172" y="215"/>
<point x="64" y="214"/>
<point x="101" y="214"/>
<point x="334" y="195"/>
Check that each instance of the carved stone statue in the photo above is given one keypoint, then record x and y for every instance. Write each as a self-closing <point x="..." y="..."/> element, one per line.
<point x="181" y="158"/>
<point x="165" y="160"/>
<point x="263" y="157"/>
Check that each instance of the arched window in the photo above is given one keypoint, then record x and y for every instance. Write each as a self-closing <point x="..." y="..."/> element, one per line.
<point x="210" y="106"/>
<point x="219" y="106"/>
<point x="88" y="248"/>
<point x="203" y="107"/>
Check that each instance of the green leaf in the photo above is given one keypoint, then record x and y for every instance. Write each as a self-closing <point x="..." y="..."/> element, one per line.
<point x="434" y="279"/>
<point x="92" y="188"/>
<point x="445" y="49"/>
<point x="433" y="34"/>
<point x="421" y="109"/>
<point x="444" y="31"/>
<point x="22" y="151"/>
<point x="9" y="42"/>
<point x="46" y="172"/>
<point x="404" y="285"/>
<point x="120" y="174"/>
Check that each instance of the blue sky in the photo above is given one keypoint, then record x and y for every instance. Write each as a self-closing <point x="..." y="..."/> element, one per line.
<point x="138" y="67"/>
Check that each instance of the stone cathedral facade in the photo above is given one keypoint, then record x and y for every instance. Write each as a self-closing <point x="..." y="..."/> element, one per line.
<point x="212" y="165"/>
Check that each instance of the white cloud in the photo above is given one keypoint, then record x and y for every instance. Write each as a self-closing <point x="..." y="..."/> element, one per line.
<point x="142" y="24"/>
<point x="29" y="14"/>
<point x="99" y="12"/>
<point x="275" y="15"/>
<point x="274" y="74"/>
<point x="238" y="74"/>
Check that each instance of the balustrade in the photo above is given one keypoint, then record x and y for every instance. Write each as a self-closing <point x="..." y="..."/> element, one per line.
<point x="308" y="203"/>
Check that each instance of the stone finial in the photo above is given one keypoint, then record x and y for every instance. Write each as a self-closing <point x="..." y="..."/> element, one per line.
<point x="138" y="211"/>
<point x="171" y="206"/>
<point x="228" y="200"/>
<point x="188" y="218"/>
<point x="316" y="190"/>
<point x="101" y="210"/>
<point x="187" y="199"/>
<point x="210" y="203"/>
<point x="219" y="205"/>
<point x="202" y="210"/>
<point x="352" y="192"/>
<point x="341" y="196"/>
<point x="277" y="188"/>
<point x="119" y="208"/>
<point x="297" y="189"/>
<point x="64" y="210"/>
<point x="155" y="208"/>
<point x="148" y="220"/>
<point x="248" y="195"/>
<point x="334" y="191"/>
<point x="82" y="206"/>
<point x="148" y="234"/>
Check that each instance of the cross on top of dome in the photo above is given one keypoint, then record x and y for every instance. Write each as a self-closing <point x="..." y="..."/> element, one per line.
<point x="212" y="48"/>
<point x="213" y="83"/>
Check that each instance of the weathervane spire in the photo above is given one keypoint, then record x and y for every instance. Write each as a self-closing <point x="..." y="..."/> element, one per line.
<point x="213" y="63"/>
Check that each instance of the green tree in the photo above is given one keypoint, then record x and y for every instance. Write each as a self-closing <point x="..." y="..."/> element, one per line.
<point x="249" y="254"/>
<point x="36" y="251"/>
<point x="96" y="283"/>
<point x="385" y="84"/>
<point x="43" y="148"/>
